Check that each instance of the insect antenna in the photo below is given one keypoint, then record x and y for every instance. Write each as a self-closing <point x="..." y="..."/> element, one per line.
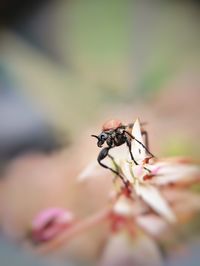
<point x="95" y="136"/>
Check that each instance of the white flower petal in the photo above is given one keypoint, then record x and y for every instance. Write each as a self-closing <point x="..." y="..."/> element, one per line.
<point x="126" y="170"/>
<point x="121" y="250"/>
<point x="139" y="172"/>
<point x="119" y="153"/>
<point x="174" y="172"/>
<point x="139" y="153"/>
<point x="123" y="207"/>
<point x="156" y="201"/>
<point x="129" y="208"/>
<point x="90" y="170"/>
<point x="152" y="224"/>
<point x="93" y="169"/>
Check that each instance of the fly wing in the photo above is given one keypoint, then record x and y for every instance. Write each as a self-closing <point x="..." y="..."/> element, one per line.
<point x="139" y="152"/>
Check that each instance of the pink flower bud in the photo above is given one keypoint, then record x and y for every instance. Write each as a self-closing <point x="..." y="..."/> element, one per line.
<point x="49" y="223"/>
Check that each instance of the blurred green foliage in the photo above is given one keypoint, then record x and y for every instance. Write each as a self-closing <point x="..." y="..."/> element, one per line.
<point x="180" y="146"/>
<point x="100" y="54"/>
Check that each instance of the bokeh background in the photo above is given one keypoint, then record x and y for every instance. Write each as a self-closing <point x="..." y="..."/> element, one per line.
<point x="65" y="67"/>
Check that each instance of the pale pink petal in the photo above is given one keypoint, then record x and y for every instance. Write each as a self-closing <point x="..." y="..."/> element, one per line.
<point x="139" y="172"/>
<point x="138" y="151"/>
<point x="152" y="224"/>
<point x="183" y="201"/>
<point x="49" y="213"/>
<point x="155" y="200"/>
<point x="123" y="207"/>
<point x="122" y="250"/>
<point x="91" y="170"/>
<point x="166" y="173"/>
<point x="49" y="223"/>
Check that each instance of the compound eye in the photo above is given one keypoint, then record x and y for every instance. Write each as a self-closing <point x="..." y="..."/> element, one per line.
<point x="103" y="136"/>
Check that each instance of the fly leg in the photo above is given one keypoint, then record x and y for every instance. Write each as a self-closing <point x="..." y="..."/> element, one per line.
<point x="132" y="137"/>
<point x="102" y="155"/>
<point x="128" y="142"/>
<point x="146" y="138"/>
<point x="127" y="189"/>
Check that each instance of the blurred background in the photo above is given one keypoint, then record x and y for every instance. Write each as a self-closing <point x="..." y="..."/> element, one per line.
<point x="65" y="67"/>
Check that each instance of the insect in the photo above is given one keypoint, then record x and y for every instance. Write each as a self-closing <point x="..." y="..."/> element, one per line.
<point x="114" y="134"/>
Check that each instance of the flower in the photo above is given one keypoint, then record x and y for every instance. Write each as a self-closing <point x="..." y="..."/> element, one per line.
<point x="49" y="223"/>
<point x="149" y="176"/>
<point x="144" y="200"/>
<point x="147" y="180"/>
